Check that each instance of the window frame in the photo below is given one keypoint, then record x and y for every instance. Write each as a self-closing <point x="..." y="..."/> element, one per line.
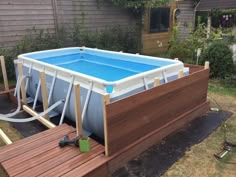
<point x="149" y="20"/>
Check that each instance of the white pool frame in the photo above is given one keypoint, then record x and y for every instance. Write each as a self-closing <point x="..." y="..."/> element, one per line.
<point x="120" y="87"/>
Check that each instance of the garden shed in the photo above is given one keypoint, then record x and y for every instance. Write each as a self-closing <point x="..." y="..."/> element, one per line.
<point x="19" y="18"/>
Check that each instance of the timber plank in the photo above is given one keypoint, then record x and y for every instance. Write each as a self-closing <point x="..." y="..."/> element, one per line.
<point x="29" y="146"/>
<point x="153" y="93"/>
<point x="51" y="162"/>
<point x="33" y="138"/>
<point x="121" y="157"/>
<point x="35" y="164"/>
<point x="30" y="154"/>
<point x="85" y="168"/>
<point x="74" y="162"/>
<point x="153" y="109"/>
<point x="7" y="91"/>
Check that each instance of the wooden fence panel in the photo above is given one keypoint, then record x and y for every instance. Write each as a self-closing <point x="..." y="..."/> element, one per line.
<point x="132" y="118"/>
<point x="18" y="17"/>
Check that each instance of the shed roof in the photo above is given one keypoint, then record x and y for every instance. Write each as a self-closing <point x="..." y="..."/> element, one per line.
<point x="207" y="5"/>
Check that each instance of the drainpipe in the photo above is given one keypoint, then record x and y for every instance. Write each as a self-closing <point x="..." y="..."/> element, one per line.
<point x="208" y="25"/>
<point x="55" y="15"/>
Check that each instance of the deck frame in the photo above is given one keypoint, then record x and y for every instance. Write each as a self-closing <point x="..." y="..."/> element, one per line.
<point x="113" y="157"/>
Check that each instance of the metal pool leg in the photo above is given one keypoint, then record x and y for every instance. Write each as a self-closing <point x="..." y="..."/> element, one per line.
<point x="37" y="94"/>
<point x="145" y="83"/>
<point x="164" y="76"/>
<point x="17" y="83"/>
<point x="87" y="100"/>
<point x="67" y="100"/>
<point x="27" y="79"/>
<point x="52" y="87"/>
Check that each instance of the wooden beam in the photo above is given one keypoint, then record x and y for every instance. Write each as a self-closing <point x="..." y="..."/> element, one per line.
<point x="20" y="73"/>
<point x="44" y="121"/>
<point x="78" y="118"/>
<point x="106" y="100"/>
<point x="207" y="65"/>
<point x="4" y="137"/>
<point x="4" y="73"/>
<point x="156" y="81"/>
<point x="44" y="91"/>
<point x="7" y="91"/>
<point x="181" y="73"/>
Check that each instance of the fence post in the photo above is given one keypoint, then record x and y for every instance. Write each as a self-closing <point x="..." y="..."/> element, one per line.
<point x="181" y="73"/>
<point x="78" y="117"/>
<point x="106" y="100"/>
<point x="44" y="92"/>
<point x="20" y="73"/>
<point x="4" y="73"/>
<point x="156" y="81"/>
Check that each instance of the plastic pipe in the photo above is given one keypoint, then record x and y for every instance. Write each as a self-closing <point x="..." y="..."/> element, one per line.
<point x="87" y="100"/>
<point x="67" y="100"/>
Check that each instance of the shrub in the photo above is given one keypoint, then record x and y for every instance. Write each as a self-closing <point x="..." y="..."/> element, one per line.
<point x="221" y="59"/>
<point x="114" y="38"/>
<point x="34" y="41"/>
<point x="183" y="51"/>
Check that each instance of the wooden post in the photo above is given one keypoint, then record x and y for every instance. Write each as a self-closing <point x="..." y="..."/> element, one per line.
<point x="208" y="25"/>
<point x="4" y="137"/>
<point x="106" y="100"/>
<point x="4" y="73"/>
<point x="156" y="81"/>
<point x="180" y="74"/>
<point x="20" y="73"/>
<point x="78" y="118"/>
<point x="207" y="65"/>
<point x="44" y="91"/>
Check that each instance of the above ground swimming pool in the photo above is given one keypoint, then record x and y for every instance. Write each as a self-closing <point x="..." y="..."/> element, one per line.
<point x="98" y="72"/>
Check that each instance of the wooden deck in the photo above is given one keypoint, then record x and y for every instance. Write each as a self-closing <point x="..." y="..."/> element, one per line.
<point x="40" y="155"/>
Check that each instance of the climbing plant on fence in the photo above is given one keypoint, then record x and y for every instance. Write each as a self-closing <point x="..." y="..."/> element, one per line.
<point x="141" y="3"/>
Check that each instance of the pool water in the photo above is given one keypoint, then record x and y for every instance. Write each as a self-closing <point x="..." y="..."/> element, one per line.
<point x="100" y="67"/>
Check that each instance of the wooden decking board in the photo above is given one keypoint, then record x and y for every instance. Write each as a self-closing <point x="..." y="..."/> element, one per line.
<point x="41" y="160"/>
<point x="30" y="154"/>
<point x="19" y="150"/>
<point x="74" y="162"/>
<point x="50" y="163"/>
<point x="86" y="167"/>
<point x="31" y="139"/>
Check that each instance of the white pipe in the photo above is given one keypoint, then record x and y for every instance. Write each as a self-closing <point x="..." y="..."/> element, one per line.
<point x="20" y="120"/>
<point x="37" y="94"/>
<point x="67" y="100"/>
<point x="145" y="83"/>
<point x="87" y="100"/>
<point x="18" y="100"/>
<point x="52" y="87"/>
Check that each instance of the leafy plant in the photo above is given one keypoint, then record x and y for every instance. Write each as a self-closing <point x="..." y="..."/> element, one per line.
<point x="34" y="41"/>
<point x="140" y="3"/>
<point x="221" y="59"/>
<point x="114" y="38"/>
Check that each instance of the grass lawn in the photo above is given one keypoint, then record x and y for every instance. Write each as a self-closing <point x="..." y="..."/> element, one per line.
<point x="199" y="160"/>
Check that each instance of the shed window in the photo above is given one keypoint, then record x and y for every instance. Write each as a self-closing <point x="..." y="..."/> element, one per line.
<point x="159" y="19"/>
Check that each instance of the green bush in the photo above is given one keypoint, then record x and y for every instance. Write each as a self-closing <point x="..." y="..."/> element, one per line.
<point x="34" y="41"/>
<point x="183" y="51"/>
<point x="114" y="38"/>
<point x="220" y="57"/>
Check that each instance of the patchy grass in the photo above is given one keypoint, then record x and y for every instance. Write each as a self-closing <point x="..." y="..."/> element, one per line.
<point x="217" y="87"/>
<point x="199" y="160"/>
<point x="13" y="134"/>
